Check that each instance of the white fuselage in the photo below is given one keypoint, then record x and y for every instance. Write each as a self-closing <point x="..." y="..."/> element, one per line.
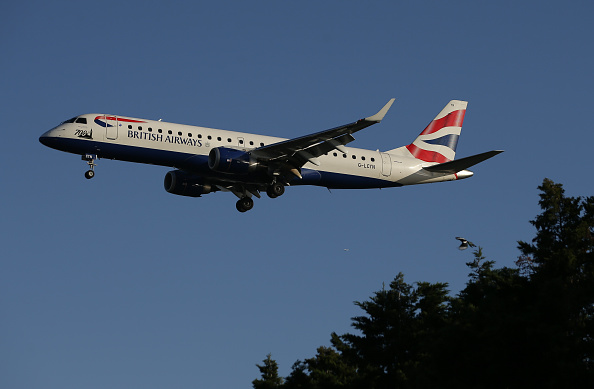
<point x="187" y="147"/>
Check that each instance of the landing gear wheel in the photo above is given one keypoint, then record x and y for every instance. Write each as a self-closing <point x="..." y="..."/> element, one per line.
<point x="244" y="204"/>
<point x="90" y="158"/>
<point x="275" y="190"/>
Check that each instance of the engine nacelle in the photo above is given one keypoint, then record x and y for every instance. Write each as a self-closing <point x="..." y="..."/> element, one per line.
<point x="232" y="161"/>
<point x="185" y="184"/>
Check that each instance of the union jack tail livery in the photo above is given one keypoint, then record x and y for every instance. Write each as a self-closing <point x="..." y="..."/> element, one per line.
<point x="438" y="141"/>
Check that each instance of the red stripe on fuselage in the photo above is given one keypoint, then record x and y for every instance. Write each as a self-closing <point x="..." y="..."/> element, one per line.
<point x="119" y="119"/>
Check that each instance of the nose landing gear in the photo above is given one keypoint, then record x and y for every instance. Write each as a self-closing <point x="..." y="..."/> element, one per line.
<point x="91" y="162"/>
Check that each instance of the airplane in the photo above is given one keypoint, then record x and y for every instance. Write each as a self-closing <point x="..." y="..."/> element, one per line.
<point x="208" y="160"/>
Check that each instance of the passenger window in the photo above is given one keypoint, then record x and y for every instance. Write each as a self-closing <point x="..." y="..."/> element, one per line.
<point x="129" y="126"/>
<point x="139" y="128"/>
<point x="251" y="143"/>
<point x="372" y="159"/>
<point x="335" y="154"/>
<point x="189" y="134"/>
<point x="344" y="156"/>
<point x="362" y="158"/>
<point x="219" y="138"/>
<point x="241" y="141"/>
<point x="261" y="144"/>
<point x="200" y="136"/>
<point x="81" y="120"/>
<point x="209" y="137"/>
<point x="229" y="140"/>
<point x="179" y="133"/>
<point x="169" y="132"/>
<point x="159" y="131"/>
<point x="354" y="157"/>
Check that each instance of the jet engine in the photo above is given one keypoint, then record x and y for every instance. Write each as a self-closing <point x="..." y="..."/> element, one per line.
<point x="185" y="184"/>
<point x="232" y="161"/>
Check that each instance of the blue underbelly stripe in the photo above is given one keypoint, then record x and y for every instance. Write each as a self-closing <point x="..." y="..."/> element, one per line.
<point x="199" y="163"/>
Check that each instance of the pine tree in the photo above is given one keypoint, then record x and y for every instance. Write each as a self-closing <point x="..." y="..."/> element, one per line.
<point x="486" y="344"/>
<point x="562" y="282"/>
<point x="399" y="331"/>
<point x="270" y="378"/>
<point x="531" y="326"/>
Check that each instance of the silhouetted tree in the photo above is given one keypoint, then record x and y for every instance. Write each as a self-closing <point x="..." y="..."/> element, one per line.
<point x="298" y="378"/>
<point x="562" y="286"/>
<point x="270" y="378"/>
<point x="531" y="326"/>
<point x="486" y="344"/>
<point x="398" y="334"/>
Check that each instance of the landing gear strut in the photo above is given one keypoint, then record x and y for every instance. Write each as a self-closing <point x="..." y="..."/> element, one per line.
<point x="244" y="204"/>
<point x="91" y="162"/>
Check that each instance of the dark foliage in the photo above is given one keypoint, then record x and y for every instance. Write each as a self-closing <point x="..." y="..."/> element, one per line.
<point x="270" y="378"/>
<point x="530" y="326"/>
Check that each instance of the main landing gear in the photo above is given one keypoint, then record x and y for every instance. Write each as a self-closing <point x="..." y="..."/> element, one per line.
<point x="91" y="162"/>
<point x="245" y="202"/>
<point x="275" y="190"/>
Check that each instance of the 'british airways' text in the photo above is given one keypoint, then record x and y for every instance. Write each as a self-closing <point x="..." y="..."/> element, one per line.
<point x="164" y="139"/>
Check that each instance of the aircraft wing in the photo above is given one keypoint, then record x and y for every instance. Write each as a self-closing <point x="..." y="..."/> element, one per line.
<point x="461" y="164"/>
<point x="307" y="148"/>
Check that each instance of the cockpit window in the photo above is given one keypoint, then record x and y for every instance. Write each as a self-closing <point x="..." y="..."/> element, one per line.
<point x="81" y="120"/>
<point x="69" y="121"/>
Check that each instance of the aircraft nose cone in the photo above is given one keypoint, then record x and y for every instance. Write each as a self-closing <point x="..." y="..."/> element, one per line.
<point x="48" y="138"/>
<point x="43" y="139"/>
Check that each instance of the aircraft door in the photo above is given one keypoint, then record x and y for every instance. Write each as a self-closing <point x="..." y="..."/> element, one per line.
<point x="386" y="164"/>
<point x="111" y="130"/>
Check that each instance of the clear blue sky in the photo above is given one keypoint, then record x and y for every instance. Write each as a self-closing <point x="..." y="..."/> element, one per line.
<point x="114" y="283"/>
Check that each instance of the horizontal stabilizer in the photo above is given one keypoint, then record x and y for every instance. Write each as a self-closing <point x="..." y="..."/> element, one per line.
<point x="463" y="163"/>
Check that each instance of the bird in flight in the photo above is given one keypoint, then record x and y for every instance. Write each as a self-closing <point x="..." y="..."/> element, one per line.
<point x="464" y="243"/>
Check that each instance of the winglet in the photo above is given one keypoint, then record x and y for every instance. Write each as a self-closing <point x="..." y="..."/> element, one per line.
<point x="380" y="115"/>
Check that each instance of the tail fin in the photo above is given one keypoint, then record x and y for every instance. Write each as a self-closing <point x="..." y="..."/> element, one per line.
<point x="438" y="141"/>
